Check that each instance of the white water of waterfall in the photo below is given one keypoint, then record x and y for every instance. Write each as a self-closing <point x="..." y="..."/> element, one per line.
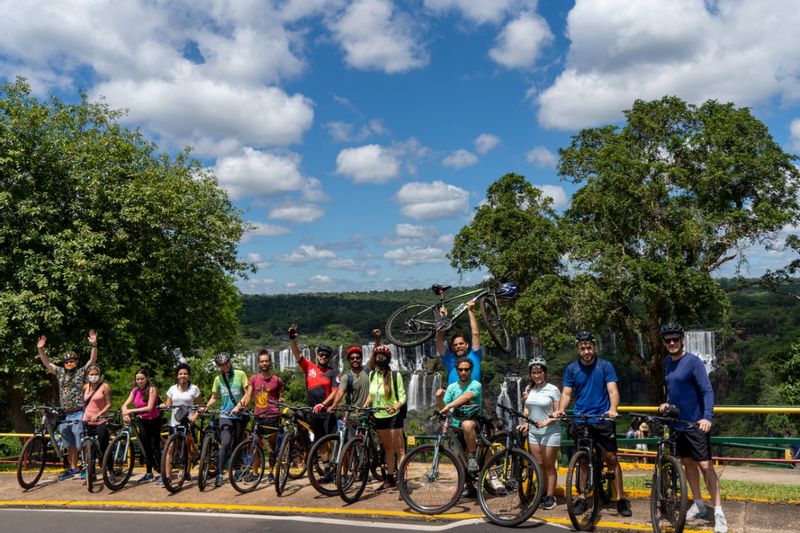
<point x="436" y="384"/>
<point x="702" y="344"/>
<point x="504" y="399"/>
<point x="413" y="392"/>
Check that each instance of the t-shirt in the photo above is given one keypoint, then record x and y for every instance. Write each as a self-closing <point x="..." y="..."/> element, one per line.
<point x="70" y="388"/>
<point x="236" y="381"/>
<point x="94" y="402"/>
<point x="265" y="389"/>
<point x="449" y="361"/>
<point x="181" y="398"/>
<point x="139" y="402"/>
<point x="474" y="407"/>
<point x="319" y="382"/>
<point x="378" y="393"/>
<point x="689" y="388"/>
<point x="356" y="387"/>
<point x="589" y="386"/>
<point x="540" y="406"/>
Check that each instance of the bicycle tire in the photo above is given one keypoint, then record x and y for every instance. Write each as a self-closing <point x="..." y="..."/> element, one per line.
<point x="352" y="472"/>
<point x="669" y="502"/>
<point x="247" y="466"/>
<point x="299" y="457"/>
<point x="90" y="452"/>
<point x="207" y="458"/>
<point x="411" y="325"/>
<point x="522" y="488"/>
<point x="321" y="476"/>
<point x="283" y="463"/>
<point x="118" y="462"/>
<point x="580" y="483"/>
<point x="31" y="462"/>
<point x="428" y="490"/>
<point x="495" y="324"/>
<point x="176" y="456"/>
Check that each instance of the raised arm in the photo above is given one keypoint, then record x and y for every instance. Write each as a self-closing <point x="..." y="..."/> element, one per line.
<point x="40" y="346"/>
<point x="298" y="354"/>
<point x="92" y="338"/>
<point x="473" y="326"/>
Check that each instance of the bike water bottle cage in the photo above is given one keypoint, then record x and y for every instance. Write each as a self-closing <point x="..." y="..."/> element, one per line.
<point x="507" y="290"/>
<point x="440" y="289"/>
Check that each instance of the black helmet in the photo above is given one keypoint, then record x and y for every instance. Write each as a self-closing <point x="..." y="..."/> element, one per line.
<point x="324" y="348"/>
<point x="671" y="329"/>
<point x="584" y="336"/>
<point x="221" y="358"/>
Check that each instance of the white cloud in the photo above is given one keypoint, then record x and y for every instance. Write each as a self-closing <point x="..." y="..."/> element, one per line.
<point x="304" y="213"/>
<point x="413" y="255"/>
<point x="410" y="234"/>
<point x="345" y="131"/>
<point x="432" y="201"/>
<point x="520" y="42"/>
<point x="312" y="191"/>
<point x="485" y="143"/>
<point x="263" y="230"/>
<point x="541" y="157"/>
<point x="557" y="193"/>
<point x="376" y="36"/>
<point x="446" y="240"/>
<point x="694" y="49"/>
<point x="794" y="129"/>
<point x="339" y="131"/>
<point x="258" y="261"/>
<point x="320" y="280"/>
<point x="345" y="264"/>
<point x="478" y="11"/>
<point x="371" y="163"/>
<point x="254" y="173"/>
<point x="460" y="159"/>
<point x="305" y="253"/>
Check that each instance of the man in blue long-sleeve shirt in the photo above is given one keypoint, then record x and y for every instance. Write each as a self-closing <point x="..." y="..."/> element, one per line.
<point x="689" y="389"/>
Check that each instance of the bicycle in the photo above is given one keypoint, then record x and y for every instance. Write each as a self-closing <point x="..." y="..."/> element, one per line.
<point x="431" y="477"/>
<point x="45" y="444"/>
<point x="294" y="448"/>
<point x="247" y="460"/>
<point x="669" y="500"/>
<point x="120" y="456"/>
<point x="415" y="323"/>
<point x="361" y="454"/>
<point x="180" y="451"/>
<point x="207" y="466"/>
<point x="91" y="456"/>
<point x="585" y="475"/>
<point x="510" y="483"/>
<point x="321" y="472"/>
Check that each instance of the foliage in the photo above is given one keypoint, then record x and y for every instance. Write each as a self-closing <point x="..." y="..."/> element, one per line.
<point x="789" y="373"/>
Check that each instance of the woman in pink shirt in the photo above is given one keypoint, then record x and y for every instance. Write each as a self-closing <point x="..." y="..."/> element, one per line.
<point x="144" y="401"/>
<point x="97" y="398"/>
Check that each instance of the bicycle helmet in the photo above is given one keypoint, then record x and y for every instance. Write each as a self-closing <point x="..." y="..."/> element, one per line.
<point x="537" y="361"/>
<point x="671" y="329"/>
<point x="584" y="336"/>
<point x="507" y="290"/>
<point x="324" y="348"/>
<point x="383" y="349"/>
<point x="221" y="358"/>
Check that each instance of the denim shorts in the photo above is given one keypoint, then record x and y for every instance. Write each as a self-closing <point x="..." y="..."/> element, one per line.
<point x="71" y="428"/>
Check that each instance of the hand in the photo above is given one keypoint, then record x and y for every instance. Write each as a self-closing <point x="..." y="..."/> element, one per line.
<point x="41" y="343"/>
<point x="126" y="418"/>
<point x="470" y="305"/>
<point x="663" y="407"/>
<point x="704" y="425"/>
<point x="92" y="338"/>
<point x="440" y="393"/>
<point x="612" y="413"/>
<point x="293" y="331"/>
<point x="319" y="407"/>
<point x="236" y="409"/>
<point x="376" y="333"/>
<point x="444" y="410"/>
<point x="558" y="414"/>
<point x="391" y="410"/>
<point x="523" y="427"/>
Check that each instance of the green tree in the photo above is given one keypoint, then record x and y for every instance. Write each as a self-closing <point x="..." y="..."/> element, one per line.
<point x="99" y="230"/>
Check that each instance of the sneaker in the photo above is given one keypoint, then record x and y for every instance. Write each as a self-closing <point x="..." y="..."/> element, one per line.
<point x="83" y="475"/>
<point x="469" y="493"/>
<point x="694" y="513"/>
<point x="69" y="473"/>
<point x="158" y="480"/>
<point x="390" y="483"/>
<point x="472" y="465"/>
<point x="579" y="507"/>
<point x="720" y="524"/>
<point x="497" y="486"/>
<point x="147" y="478"/>
<point x="548" y="502"/>
<point x="624" y="507"/>
<point x="218" y="481"/>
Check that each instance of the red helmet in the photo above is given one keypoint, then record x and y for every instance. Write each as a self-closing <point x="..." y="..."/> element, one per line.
<point x="384" y="349"/>
<point x="354" y="349"/>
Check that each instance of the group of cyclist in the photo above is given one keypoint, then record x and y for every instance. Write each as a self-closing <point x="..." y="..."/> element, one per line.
<point x="590" y="381"/>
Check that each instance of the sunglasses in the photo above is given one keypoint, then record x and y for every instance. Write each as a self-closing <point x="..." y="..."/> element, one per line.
<point x="327" y="355"/>
<point x="355" y="358"/>
<point x="672" y="340"/>
<point x="466" y="369"/>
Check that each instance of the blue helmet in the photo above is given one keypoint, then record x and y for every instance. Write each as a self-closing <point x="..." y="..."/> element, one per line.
<point x="507" y="290"/>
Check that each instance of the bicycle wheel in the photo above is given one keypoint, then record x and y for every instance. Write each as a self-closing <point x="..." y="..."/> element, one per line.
<point x="31" y="461"/>
<point x="208" y="461"/>
<point x="283" y="463"/>
<point x="430" y="479"/>
<point x="583" y="496"/>
<point x="322" y="464"/>
<point x="510" y="487"/>
<point x="411" y="325"/>
<point x="352" y="471"/>
<point x="495" y="324"/>
<point x="90" y="454"/>
<point x="299" y="457"/>
<point x="668" y="499"/>
<point x="247" y="466"/>
<point x="118" y="462"/>
<point x="175" y="462"/>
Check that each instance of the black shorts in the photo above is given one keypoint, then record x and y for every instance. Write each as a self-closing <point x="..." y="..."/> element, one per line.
<point x="322" y="424"/>
<point x="693" y="444"/>
<point x="390" y="422"/>
<point x="604" y="435"/>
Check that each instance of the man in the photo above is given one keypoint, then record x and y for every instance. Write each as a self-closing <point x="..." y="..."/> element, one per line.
<point x="233" y="389"/>
<point x="354" y="383"/>
<point x="458" y="347"/>
<point x="321" y="385"/>
<point x="593" y="381"/>
<point x="70" y="394"/>
<point x="689" y="388"/>
<point x="267" y="389"/>
<point x="466" y="395"/>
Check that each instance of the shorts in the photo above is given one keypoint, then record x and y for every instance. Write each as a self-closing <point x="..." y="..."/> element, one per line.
<point x="322" y="424"/>
<point x="390" y="422"/>
<point x="693" y="444"/>
<point x="550" y="440"/>
<point x="604" y="435"/>
<point x="71" y="428"/>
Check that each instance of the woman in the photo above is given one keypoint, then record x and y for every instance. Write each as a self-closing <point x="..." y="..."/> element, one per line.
<point x="642" y="433"/>
<point x="144" y="401"/>
<point x="544" y="437"/>
<point x="97" y="401"/>
<point x="182" y="394"/>
<point x="386" y="390"/>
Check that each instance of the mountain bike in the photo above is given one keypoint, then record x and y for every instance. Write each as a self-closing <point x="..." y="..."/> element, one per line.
<point x="294" y="448"/>
<point x="668" y="497"/>
<point x="248" y="458"/>
<point x="118" y="461"/>
<point x="415" y="323"/>
<point x="46" y="445"/>
<point x="180" y="451"/>
<point x="362" y="453"/>
<point x="207" y="467"/>
<point x="432" y="477"/>
<point x="326" y="453"/>
<point x="91" y="456"/>
<point x="585" y="476"/>
<point x="510" y="483"/>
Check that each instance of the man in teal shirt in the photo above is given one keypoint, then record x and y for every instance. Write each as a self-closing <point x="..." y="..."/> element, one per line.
<point x="466" y="395"/>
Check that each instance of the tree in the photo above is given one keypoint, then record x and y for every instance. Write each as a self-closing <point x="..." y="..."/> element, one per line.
<point x="98" y="230"/>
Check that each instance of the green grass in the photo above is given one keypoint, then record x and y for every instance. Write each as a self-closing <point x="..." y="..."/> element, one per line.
<point x="745" y="490"/>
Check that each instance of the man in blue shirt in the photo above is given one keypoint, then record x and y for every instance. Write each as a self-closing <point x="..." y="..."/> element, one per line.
<point x="689" y="389"/>
<point x="458" y="347"/>
<point x="593" y="381"/>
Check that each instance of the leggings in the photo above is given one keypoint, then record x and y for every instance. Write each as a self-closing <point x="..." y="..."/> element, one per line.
<point x="150" y="435"/>
<point x="231" y="431"/>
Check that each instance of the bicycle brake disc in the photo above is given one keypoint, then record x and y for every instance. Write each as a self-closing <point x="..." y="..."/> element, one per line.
<point x="444" y="323"/>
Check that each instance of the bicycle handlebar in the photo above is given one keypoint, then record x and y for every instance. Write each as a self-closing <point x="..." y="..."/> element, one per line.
<point x="662" y="420"/>
<point x="516" y="413"/>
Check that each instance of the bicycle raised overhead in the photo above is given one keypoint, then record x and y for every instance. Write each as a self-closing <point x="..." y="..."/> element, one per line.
<point x="415" y="323"/>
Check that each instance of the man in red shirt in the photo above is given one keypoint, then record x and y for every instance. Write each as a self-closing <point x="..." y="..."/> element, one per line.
<point x="267" y="388"/>
<point x="322" y="382"/>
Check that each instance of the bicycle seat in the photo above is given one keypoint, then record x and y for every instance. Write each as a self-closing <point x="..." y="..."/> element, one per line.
<point x="440" y="289"/>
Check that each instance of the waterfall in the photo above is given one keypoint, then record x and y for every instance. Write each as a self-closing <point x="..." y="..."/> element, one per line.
<point x="504" y="399"/>
<point x="286" y="359"/>
<point x="436" y="384"/>
<point x="702" y="344"/>
<point x="413" y="392"/>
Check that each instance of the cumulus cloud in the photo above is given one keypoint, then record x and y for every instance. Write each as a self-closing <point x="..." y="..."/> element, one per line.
<point x="794" y="129"/>
<point x="477" y="11"/>
<point x="258" y="261"/>
<point x="253" y="173"/>
<point x="520" y="42"/>
<point x="305" y="253"/>
<point x="460" y="159"/>
<point x="260" y="229"/>
<point x="345" y="264"/>
<point x="485" y="143"/>
<point x="410" y="234"/>
<point x="320" y="279"/>
<point x="312" y="191"/>
<point x="432" y="201"/>
<point x="541" y="157"/>
<point x="557" y="193"/>
<point x="371" y="163"/>
<point x="304" y="213"/>
<point x="375" y="36"/>
<point x="341" y="131"/>
<point x="623" y="50"/>
<point x="413" y="255"/>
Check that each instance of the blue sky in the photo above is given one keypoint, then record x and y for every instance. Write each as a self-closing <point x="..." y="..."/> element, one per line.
<point x="358" y="136"/>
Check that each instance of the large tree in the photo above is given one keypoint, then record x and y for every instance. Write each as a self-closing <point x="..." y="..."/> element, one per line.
<point x="99" y="230"/>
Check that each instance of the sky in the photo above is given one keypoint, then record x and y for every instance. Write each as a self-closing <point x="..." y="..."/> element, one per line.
<point x="357" y="137"/>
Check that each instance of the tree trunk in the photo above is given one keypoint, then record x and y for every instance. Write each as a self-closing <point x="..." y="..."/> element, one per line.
<point x="22" y="423"/>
